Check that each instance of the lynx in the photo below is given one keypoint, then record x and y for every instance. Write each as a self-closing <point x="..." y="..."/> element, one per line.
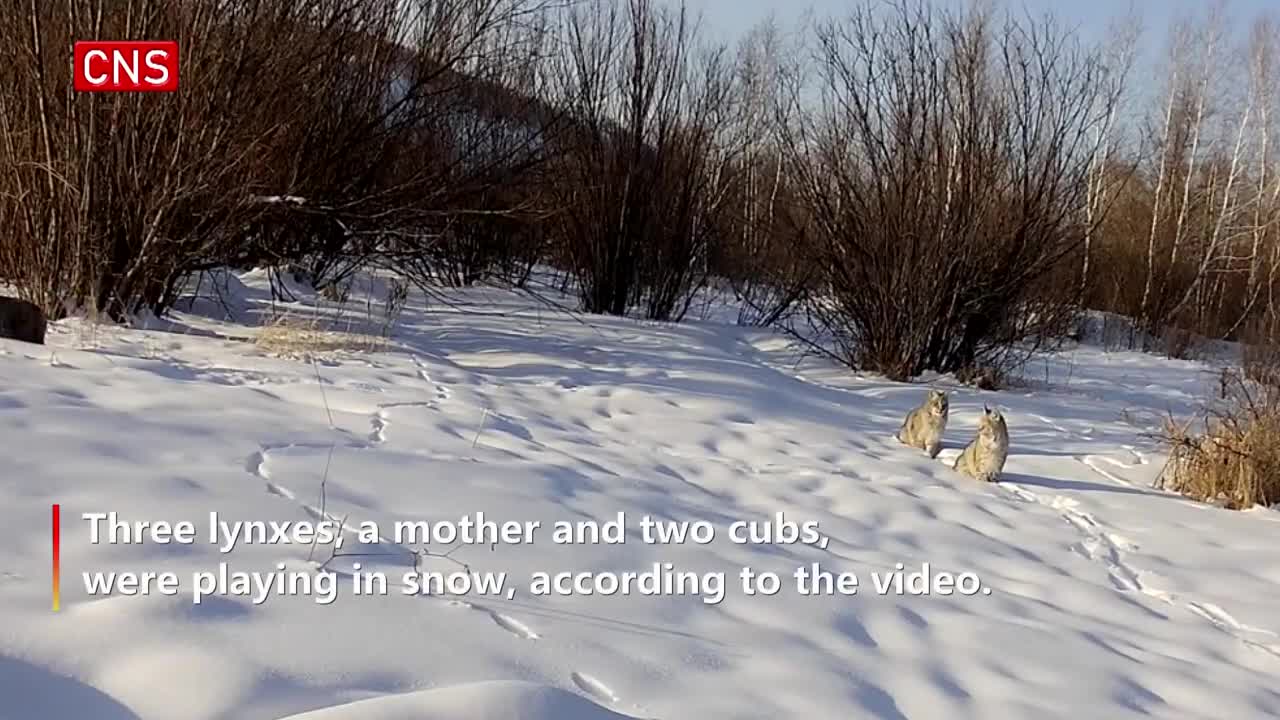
<point x="984" y="458"/>
<point x="924" y="426"/>
<point x="22" y="320"/>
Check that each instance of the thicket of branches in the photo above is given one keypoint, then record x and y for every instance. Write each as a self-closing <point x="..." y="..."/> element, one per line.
<point x="640" y="175"/>
<point x="307" y="133"/>
<point x="944" y="169"/>
<point x="908" y="187"/>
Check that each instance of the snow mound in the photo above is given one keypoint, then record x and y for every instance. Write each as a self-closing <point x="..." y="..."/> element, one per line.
<point x="498" y="700"/>
<point x="218" y="294"/>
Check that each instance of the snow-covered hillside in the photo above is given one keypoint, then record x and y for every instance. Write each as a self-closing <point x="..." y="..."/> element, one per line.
<point x="1107" y="599"/>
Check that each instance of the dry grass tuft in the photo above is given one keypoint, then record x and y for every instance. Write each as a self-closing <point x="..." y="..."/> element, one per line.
<point x="301" y="337"/>
<point x="1234" y="461"/>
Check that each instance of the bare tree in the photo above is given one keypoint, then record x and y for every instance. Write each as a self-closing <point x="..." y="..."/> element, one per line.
<point x="759" y="246"/>
<point x="1107" y="169"/>
<point x="1263" y="236"/>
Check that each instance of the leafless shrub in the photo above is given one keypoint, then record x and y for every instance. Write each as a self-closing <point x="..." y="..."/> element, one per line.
<point x="640" y="174"/>
<point x="117" y="197"/>
<point x="308" y="133"/>
<point x="944" y="171"/>
<point x="760" y="243"/>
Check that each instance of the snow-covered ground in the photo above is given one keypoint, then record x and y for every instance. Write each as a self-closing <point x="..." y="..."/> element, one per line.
<point x="1107" y="599"/>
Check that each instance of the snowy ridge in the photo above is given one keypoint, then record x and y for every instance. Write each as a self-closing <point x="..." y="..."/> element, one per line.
<point x="479" y="701"/>
<point x="1109" y="599"/>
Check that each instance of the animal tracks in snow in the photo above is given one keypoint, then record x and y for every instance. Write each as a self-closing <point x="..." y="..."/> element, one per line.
<point x="258" y="465"/>
<point x="278" y="491"/>
<point x="1110" y="549"/>
<point x="1227" y="623"/>
<point x="1224" y="619"/>
<point x="380" y="420"/>
<point x="590" y="685"/>
<point x="506" y="622"/>
<point x="513" y="626"/>
<point x="1099" y="545"/>
<point x="1056" y="427"/>
<point x="442" y="392"/>
<point x="1020" y="494"/>
<point x="1093" y="461"/>
<point x="378" y="426"/>
<point x="1138" y="455"/>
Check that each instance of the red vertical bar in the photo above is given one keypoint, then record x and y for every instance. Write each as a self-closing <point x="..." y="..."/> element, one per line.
<point x="57" y="556"/>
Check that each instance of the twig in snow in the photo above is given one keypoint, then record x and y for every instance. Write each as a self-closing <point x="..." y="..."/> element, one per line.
<point x="324" y="499"/>
<point x="323" y="395"/>
<point x="480" y="429"/>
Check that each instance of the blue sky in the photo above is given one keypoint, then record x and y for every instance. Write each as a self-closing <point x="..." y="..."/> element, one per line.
<point x="732" y="17"/>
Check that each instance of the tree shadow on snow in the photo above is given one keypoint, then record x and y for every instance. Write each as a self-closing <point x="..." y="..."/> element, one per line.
<point x="30" y="691"/>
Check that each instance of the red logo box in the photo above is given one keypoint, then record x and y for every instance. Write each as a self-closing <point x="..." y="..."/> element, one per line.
<point x="126" y="66"/>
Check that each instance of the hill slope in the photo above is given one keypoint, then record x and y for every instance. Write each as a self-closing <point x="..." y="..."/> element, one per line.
<point x="1107" y="599"/>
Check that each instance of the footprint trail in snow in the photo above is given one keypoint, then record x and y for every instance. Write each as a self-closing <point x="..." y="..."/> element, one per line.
<point x="594" y="687"/>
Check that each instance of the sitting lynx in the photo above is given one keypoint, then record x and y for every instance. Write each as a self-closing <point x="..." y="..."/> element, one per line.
<point x="924" y="426"/>
<point x="984" y="458"/>
<point x="22" y="320"/>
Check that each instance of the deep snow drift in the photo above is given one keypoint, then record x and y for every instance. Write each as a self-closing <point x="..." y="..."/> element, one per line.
<point x="1108" y="599"/>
